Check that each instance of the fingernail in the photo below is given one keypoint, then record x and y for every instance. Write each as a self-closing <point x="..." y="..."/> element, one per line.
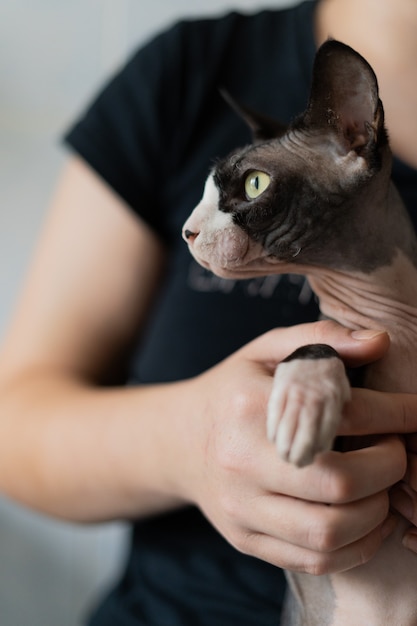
<point x="402" y="502"/>
<point x="366" y="334"/>
<point x="410" y="541"/>
<point x="388" y="526"/>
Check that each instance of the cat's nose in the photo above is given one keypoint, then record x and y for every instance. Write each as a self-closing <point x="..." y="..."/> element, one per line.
<point x="189" y="235"/>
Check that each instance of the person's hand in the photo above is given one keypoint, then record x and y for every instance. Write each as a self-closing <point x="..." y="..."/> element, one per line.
<point x="264" y="506"/>
<point x="403" y="497"/>
<point x="377" y="412"/>
<point x="410" y="490"/>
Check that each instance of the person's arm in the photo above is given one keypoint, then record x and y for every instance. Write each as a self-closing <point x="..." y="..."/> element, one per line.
<point x="74" y="449"/>
<point x="64" y="441"/>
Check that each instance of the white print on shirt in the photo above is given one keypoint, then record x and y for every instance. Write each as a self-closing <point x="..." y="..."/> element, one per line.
<point x="200" y="279"/>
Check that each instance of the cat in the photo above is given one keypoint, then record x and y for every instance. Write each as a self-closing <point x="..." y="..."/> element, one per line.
<point x="316" y="198"/>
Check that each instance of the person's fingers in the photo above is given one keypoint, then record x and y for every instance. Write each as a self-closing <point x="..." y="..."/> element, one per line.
<point x="355" y="347"/>
<point x="411" y="474"/>
<point x="314" y="526"/>
<point x="288" y="556"/>
<point x="404" y="500"/>
<point x="410" y="540"/>
<point x="371" y="412"/>
<point x="335" y="477"/>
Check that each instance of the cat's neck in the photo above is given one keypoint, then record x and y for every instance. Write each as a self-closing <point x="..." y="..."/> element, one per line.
<point x="386" y="300"/>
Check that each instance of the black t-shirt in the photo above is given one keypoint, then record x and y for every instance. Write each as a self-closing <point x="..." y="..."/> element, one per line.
<point x="152" y="134"/>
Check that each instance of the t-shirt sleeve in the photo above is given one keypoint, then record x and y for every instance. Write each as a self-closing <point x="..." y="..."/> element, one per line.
<point x="125" y="135"/>
<point x="149" y="122"/>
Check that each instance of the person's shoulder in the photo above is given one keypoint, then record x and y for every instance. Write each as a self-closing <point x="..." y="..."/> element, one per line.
<point x="208" y="30"/>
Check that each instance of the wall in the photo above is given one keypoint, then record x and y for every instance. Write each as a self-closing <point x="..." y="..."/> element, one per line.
<point x="53" y="55"/>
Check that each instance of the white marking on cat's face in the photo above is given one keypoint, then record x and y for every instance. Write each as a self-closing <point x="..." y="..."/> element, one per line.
<point x="215" y="241"/>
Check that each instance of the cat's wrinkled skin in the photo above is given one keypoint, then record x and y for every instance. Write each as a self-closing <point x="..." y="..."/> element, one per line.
<point x="317" y="199"/>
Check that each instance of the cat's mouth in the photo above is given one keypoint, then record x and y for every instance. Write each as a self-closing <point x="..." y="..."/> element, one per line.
<point x="229" y="252"/>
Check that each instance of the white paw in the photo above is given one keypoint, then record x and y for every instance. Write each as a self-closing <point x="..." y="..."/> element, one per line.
<point x="305" y="407"/>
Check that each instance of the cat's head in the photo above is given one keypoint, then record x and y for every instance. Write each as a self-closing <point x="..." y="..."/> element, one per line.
<point x="292" y="196"/>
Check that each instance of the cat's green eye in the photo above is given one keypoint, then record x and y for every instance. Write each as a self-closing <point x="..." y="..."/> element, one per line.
<point x="256" y="182"/>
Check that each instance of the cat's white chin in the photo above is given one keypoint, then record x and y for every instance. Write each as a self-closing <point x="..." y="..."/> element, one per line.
<point x="242" y="269"/>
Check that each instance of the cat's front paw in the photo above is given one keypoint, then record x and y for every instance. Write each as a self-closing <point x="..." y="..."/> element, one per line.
<point x="305" y="407"/>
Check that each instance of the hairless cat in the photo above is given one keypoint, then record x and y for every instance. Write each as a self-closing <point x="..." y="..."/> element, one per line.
<point x="316" y="198"/>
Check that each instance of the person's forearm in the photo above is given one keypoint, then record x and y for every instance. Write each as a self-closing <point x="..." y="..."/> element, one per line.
<point x="90" y="454"/>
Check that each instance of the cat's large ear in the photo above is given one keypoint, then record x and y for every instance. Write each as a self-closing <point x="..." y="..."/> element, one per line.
<point x="344" y="97"/>
<point x="262" y="126"/>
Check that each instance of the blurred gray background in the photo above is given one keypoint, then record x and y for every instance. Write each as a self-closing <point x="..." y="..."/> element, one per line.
<point x="54" y="54"/>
